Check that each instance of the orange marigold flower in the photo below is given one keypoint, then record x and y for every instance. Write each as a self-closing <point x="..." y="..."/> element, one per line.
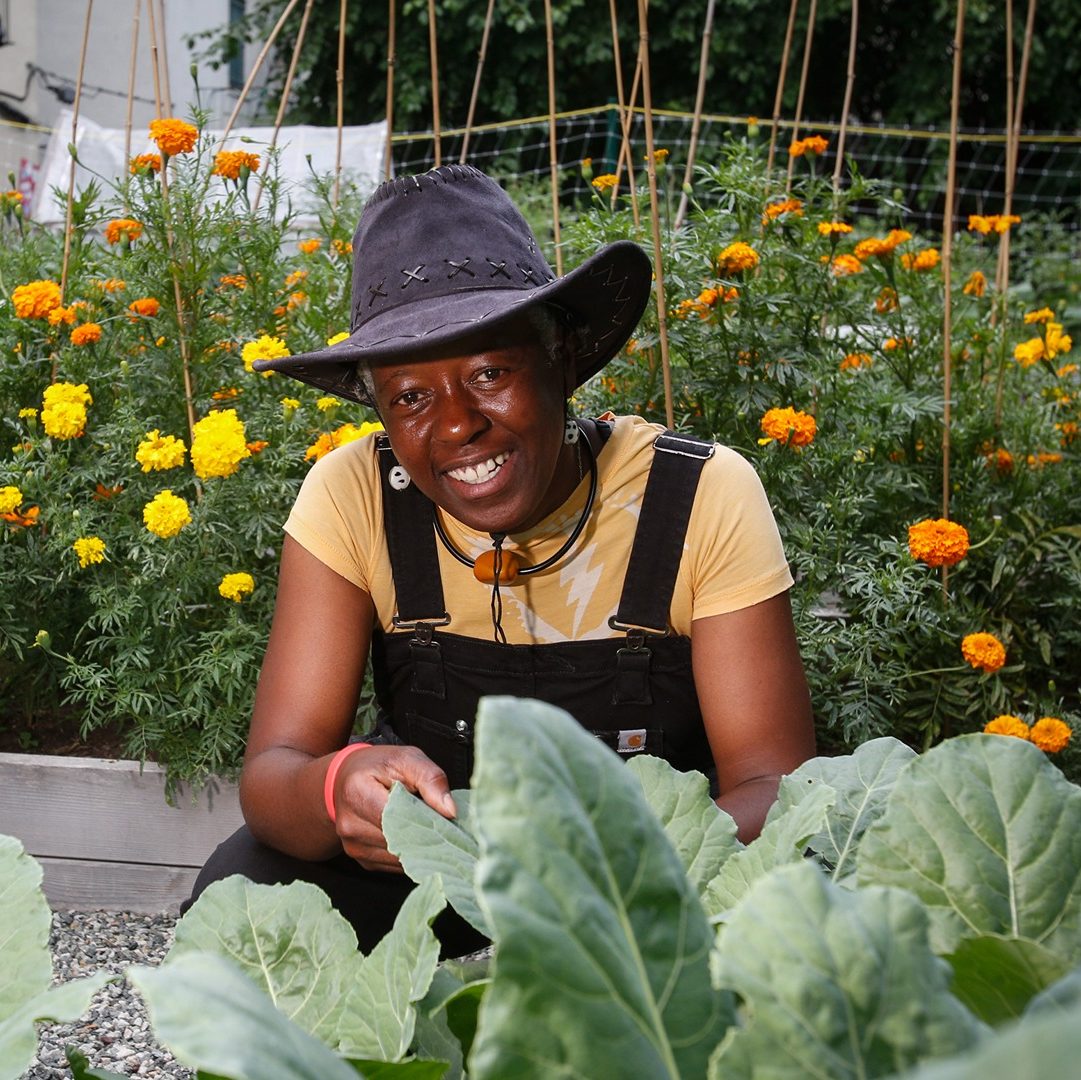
<point x="1027" y="353"/>
<point x="976" y="284"/>
<point x="111" y="285"/>
<point x="1066" y="369"/>
<point x="785" y="206"/>
<point x="1043" y="315"/>
<point x="845" y="266"/>
<point x="788" y="426"/>
<point x="833" y="228"/>
<point x="295" y="278"/>
<point x="1038" y="461"/>
<point x="1001" y="460"/>
<point x="1001" y="222"/>
<point x="228" y="163"/>
<point x="1069" y="431"/>
<point x="927" y="259"/>
<point x="145" y="305"/>
<point x="659" y="157"/>
<point x="813" y="144"/>
<point x="35" y="299"/>
<point x="1007" y="725"/>
<point x="22" y="519"/>
<point x="892" y="344"/>
<point x="237" y="281"/>
<point x="736" y="258"/>
<point x="226" y="393"/>
<point x="938" y="542"/>
<point x="854" y="361"/>
<point x="605" y="182"/>
<point x="984" y="652"/>
<point x="258" y="446"/>
<point x="103" y="493"/>
<point x="145" y="163"/>
<point x="65" y="315"/>
<point x="86" y="334"/>
<point x="173" y="136"/>
<point x="887" y="301"/>
<point x="1050" y="734"/>
<point x="310" y="247"/>
<point x="124" y="229"/>
<point x="342" y="247"/>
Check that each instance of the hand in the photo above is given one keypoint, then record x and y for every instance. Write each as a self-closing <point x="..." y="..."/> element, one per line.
<point x="361" y="790"/>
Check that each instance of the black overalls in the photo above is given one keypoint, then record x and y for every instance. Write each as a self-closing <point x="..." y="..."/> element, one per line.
<point x="635" y="692"/>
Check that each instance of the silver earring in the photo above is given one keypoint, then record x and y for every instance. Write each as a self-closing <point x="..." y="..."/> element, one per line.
<point x="399" y="478"/>
<point x="571" y="431"/>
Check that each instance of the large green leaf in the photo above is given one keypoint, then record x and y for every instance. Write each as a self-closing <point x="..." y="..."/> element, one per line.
<point x="997" y="977"/>
<point x="987" y="832"/>
<point x="379" y="1016"/>
<point x="215" y="1019"/>
<point x="703" y="835"/>
<point x="862" y="781"/>
<point x="601" y="962"/>
<point x="836" y="983"/>
<point x="286" y="938"/>
<point x="1062" y="996"/>
<point x="783" y="840"/>
<point x="427" y="843"/>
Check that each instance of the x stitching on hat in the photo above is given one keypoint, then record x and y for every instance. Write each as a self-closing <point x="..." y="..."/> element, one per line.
<point x="498" y="268"/>
<point x="459" y="267"/>
<point x="414" y="275"/>
<point x="376" y="290"/>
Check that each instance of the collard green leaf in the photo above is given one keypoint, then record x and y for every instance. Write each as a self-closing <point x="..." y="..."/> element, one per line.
<point x="26" y="968"/>
<point x="862" y="781"/>
<point x="401" y="1070"/>
<point x="783" y="840"/>
<point x="81" y="1070"/>
<point x="836" y="983"/>
<point x="427" y="843"/>
<point x="703" y="835"/>
<point x="434" y="1039"/>
<point x="997" y="977"/>
<point x="286" y="938"/>
<point x="987" y="832"/>
<point x="215" y="1019"/>
<point x="601" y="945"/>
<point x="379" y="1014"/>
<point x="1062" y="996"/>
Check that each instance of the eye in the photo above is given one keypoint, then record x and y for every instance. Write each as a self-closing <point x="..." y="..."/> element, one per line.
<point x="407" y="399"/>
<point x="489" y="374"/>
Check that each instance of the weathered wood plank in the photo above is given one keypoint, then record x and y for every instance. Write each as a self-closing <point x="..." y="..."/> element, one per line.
<point x="86" y="885"/>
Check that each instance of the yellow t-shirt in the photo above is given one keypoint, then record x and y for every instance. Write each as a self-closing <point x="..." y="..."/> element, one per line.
<point x="732" y="554"/>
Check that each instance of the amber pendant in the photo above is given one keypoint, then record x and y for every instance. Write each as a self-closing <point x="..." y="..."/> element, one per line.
<point x="484" y="567"/>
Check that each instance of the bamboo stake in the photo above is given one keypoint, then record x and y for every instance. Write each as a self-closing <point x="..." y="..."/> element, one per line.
<point x="808" y="39"/>
<point x="71" y="172"/>
<point x="131" y="81"/>
<point x="626" y="118"/>
<point x="781" y="76"/>
<point x="167" y="87"/>
<point x="651" y="172"/>
<point x="283" y="104"/>
<point x="246" y="89"/>
<point x="340" y="79"/>
<point x="433" y="51"/>
<point x="553" y="146"/>
<point x="850" y="80"/>
<point x="947" y="252"/>
<point x="696" y="123"/>
<point x="481" y="55"/>
<point x="388" y="156"/>
<point x="155" y="67"/>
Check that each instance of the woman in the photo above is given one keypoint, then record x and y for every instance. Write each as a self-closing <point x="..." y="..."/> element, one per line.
<point x="491" y="543"/>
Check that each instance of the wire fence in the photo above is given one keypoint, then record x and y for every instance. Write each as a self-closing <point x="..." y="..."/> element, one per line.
<point x="911" y="163"/>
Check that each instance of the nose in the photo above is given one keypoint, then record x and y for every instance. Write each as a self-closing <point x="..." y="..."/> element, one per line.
<point x="459" y="419"/>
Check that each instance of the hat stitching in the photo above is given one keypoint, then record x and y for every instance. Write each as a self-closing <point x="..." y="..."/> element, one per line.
<point x="414" y="275"/>
<point x="376" y="290"/>
<point x="459" y="267"/>
<point x="497" y="268"/>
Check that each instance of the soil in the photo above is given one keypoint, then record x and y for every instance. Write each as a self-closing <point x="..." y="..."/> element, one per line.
<point x="55" y="733"/>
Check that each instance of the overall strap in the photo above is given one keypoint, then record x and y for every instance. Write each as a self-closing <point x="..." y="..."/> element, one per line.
<point x="662" y="527"/>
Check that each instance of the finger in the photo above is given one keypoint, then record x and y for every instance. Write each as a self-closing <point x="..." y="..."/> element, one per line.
<point x="421" y="775"/>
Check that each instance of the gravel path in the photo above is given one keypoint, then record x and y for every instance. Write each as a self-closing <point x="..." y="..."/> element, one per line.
<point x="115" y="1034"/>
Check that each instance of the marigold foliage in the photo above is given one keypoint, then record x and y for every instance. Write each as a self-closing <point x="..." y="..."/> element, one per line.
<point x="736" y="258"/>
<point x="1050" y="734"/>
<point x="158" y="452"/>
<point x="166" y="514"/>
<point x="90" y="550"/>
<point x="938" y="542"/>
<point x="218" y="444"/>
<point x="983" y="651"/>
<point x="87" y="334"/>
<point x="788" y="426"/>
<point x="11" y="498"/>
<point x="35" y="299"/>
<point x="173" y="136"/>
<point x="1007" y="725"/>
<point x="236" y="586"/>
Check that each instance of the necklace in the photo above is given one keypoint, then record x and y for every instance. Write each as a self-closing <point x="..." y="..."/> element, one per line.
<point x="502" y="566"/>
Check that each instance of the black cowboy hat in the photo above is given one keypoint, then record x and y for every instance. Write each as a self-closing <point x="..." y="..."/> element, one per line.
<point x="440" y="256"/>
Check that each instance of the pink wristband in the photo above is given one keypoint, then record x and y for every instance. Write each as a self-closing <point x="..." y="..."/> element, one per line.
<point x="332" y="775"/>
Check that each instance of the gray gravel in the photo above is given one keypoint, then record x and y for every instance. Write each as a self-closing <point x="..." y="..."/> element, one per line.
<point x="115" y="1033"/>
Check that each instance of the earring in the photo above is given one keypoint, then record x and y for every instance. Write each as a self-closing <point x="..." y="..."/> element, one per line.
<point x="571" y="431"/>
<point x="399" y="478"/>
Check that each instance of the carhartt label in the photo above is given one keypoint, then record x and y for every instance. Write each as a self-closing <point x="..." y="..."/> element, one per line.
<point x="630" y="741"/>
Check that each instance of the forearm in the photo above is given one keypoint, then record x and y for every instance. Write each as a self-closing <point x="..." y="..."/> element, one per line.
<point x="749" y="803"/>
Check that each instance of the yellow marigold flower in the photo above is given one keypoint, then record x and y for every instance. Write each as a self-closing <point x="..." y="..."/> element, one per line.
<point x="65" y="391"/>
<point x="290" y="404"/>
<point x="86" y="334"/>
<point x="90" y="550"/>
<point x="326" y="404"/>
<point x="1001" y="222"/>
<point x="123" y="229"/>
<point x="173" y="136"/>
<point x="65" y="315"/>
<point x="263" y="348"/>
<point x="144" y="163"/>
<point x="984" y="652"/>
<point x="976" y="284"/>
<point x="927" y="259"/>
<point x="785" y="206"/>
<point x="11" y="498"/>
<point x="228" y="163"/>
<point x="1050" y="734"/>
<point x="1043" y="315"/>
<point x="788" y="426"/>
<point x="236" y="586"/>
<point x="35" y="299"/>
<point x="145" y="305"/>
<point x="158" y="452"/>
<point x="604" y="183"/>
<point x="237" y="281"/>
<point x="938" y="542"/>
<point x="343" y="336"/>
<point x="331" y="440"/>
<point x="295" y="278"/>
<point x="296" y="299"/>
<point x="1069" y="430"/>
<point x="887" y="300"/>
<point x="310" y="247"/>
<point x="736" y="258"/>
<point x="1007" y="725"/>
<point x="833" y="228"/>
<point x="845" y="266"/>
<point x="853" y="361"/>
<point x="28" y="414"/>
<point x="979" y="223"/>
<point x="1027" y="353"/>
<point x="218" y="444"/>
<point x="1055" y="341"/>
<point x="166" y="514"/>
<point x="660" y="156"/>
<point x="65" y="420"/>
<point x="342" y="247"/>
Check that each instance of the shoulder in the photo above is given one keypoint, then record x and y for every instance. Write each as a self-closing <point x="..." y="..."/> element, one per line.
<point x="349" y="464"/>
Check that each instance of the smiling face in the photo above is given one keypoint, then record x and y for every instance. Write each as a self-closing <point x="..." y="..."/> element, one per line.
<point x="479" y="428"/>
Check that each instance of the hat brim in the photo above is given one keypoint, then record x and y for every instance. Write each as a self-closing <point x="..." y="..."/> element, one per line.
<point x="606" y="295"/>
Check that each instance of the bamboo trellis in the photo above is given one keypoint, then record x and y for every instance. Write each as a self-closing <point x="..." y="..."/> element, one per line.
<point x="807" y="42"/>
<point x="433" y="51"/>
<point x="553" y="146"/>
<point x="482" y="54"/>
<point x="696" y="122"/>
<point x="782" y="75"/>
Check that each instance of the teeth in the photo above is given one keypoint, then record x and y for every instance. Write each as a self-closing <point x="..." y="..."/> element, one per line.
<point x="478" y="474"/>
